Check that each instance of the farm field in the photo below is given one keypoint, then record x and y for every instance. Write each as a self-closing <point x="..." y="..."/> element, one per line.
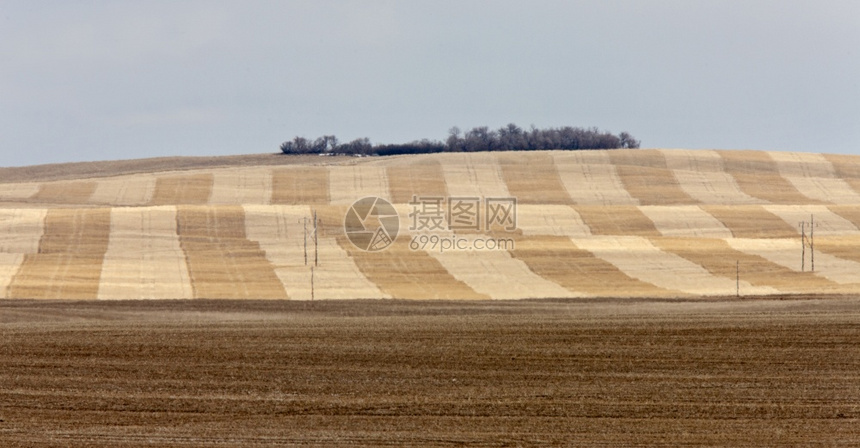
<point x="621" y="223"/>
<point x="585" y="372"/>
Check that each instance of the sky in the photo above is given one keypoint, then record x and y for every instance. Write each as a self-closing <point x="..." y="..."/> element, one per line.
<point x="91" y="80"/>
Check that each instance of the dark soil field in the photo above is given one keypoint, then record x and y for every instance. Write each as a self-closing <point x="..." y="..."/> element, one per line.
<point x="394" y="373"/>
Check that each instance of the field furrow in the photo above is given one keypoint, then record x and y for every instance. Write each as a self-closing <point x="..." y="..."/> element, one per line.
<point x="239" y="186"/>
<point x="640" y="259"/>
<point x="590" y="178"/>
<point x="348" y="184"/>
<point x="222" y="262"/>
<point x="751" y="221"/>
<point x="473" y="175"/>
<point x="702" y="175"/>
<point x="559" y="260"/>
<point x="826" y="221"/>
<point x="424" y="178"/>
<point x="559" y="220"/>
<point x="814" y="176"/>
<point x="124" y="191"/>
<point x="787" y="252"/>
<point x="144" y="259"/>
<point x="616" y="220"/>
<point x="187" y="189"/>
<point x="69" y="260"/>
<point x="647" y="178"/>
<point x="536" y="182"/>
<point x="280" y="232"/>
<point x="685" y="220"/>
<point x="72" y="193"/>
<point x="758" y="175"/>
<point x="758" y="275"/>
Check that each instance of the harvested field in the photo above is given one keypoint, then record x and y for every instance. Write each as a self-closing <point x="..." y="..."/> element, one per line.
<point x="537" y="182"/>
<point x="357" y="373"/>
<point x="638" y="258"/>
<point x="69" y="260"/>
<point x="300" y="185"/>
<point x="64" y="193"/>
<point x="144" y="259"/>
<point x="758" y="175"/>
<point x="188" y="189"/>
<point x="786" y="252"/>
<point x="758" y="275"/>
<point x="348" y="184"/>
<point x="590" y="178"/>
<point x="702" y="175"/>
<point x="616" y="220"/>
<point x="20" y="233"/>
<point x="560" y="261"/>
<point x="849" y="212"/>
<point x="240" y="186"/>
<point x="222" y="262"/>
<point x="559" y="220"/>
<point x="685" y="220"/>
<point x="815" y="177"/>
<point x="17" y="192"/>
<point x="645" y="175"/>
<point x="422" y="179"/>
<point x="751" y="221"/>
<point x="473" y="175"/>
<point x="124" y="191"/>
<point x="826" y="222"/>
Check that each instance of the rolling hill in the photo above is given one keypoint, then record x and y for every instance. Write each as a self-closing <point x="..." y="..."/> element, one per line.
<point x="620" y="223"/>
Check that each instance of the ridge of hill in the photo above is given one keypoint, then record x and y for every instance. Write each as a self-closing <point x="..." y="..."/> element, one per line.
<point x="618" y="223"/>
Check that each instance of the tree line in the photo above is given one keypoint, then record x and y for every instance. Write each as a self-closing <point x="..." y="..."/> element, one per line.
<point x="507" y="138"/>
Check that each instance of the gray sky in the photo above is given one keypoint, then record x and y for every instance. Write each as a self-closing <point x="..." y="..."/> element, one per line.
<point x="87" y="80"/>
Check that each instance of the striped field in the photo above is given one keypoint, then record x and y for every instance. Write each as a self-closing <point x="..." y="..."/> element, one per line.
<point x="621" y="223"/>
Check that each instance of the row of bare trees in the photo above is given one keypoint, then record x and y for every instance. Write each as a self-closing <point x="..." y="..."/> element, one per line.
<point x="507" y="138"/>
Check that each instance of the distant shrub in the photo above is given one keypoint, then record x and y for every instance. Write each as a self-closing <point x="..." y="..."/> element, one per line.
<point x="507" y="138"/>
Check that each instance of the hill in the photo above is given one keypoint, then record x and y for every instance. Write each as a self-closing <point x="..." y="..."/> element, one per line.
<point x="619" y="223"/>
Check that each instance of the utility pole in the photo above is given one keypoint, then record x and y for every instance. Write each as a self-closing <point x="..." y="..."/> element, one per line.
<point x="804" y="242"/>
<point x="737" y="278"/>
<point x="812" y="241"/>
<point x="312" y="283"/>
<point x="316" y="242"/>
<point x="305" y="221"/>
<point x="802" y="246"/>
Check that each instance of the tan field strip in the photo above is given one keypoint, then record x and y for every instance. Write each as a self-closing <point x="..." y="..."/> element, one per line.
<point x="645" y="175"/>
<point x="20" y="233"/>
<point x="560" y="220"/>
<point x="616" y="220"/>
<point x="826" y="221"/>
<point x="280" y="232"/>
<point x="638" y="258"/>
<point x="74" y="193"/>
<point x="348" y="184"/>
<point x="473" y="175"/>
<point x="188" y="189"/>
<point x="758" y="275"/>
<point x="787" y="252"/>
<point x="758" y="175"/>
<point x="498" y="275"/>
<point x="17" y="192"/>
<point x="125" y="191"/>
<point x="238" y="186"/>
<point x="424" y="178"/>
<point x="751" y="221"/>
<point x="406" y="274"/>
<point x="222" y="262"/>
<point x="842" y="246"/>
<point x="590" y="178"/>
<point x="846" y="168"/>
<point x="559" y="260"/>
<point x="814" y="176"/>
<point x="685" y="220"/>
<point x="144" y="259"/>
<point x="69" y="261"/>
<point x="702" y="175"/>
<point x="533" y="178"/>
<point x="849" y="212"/>
<point x="301" y="185"/>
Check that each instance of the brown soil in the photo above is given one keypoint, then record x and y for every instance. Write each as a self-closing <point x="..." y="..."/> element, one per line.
<point x="379" y="373"/>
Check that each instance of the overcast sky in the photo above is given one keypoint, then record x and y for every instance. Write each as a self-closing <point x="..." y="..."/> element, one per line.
<point x="87" y="80"/>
